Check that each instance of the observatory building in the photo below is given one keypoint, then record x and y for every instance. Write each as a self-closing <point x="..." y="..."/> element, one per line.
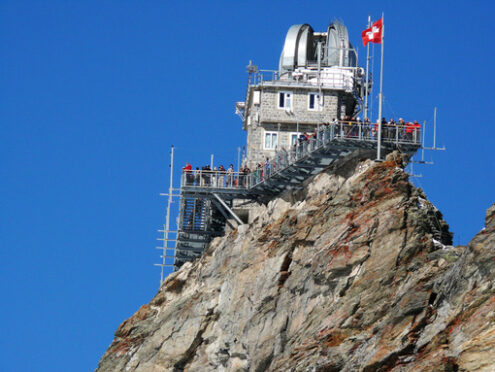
<point x="318" y="80"/>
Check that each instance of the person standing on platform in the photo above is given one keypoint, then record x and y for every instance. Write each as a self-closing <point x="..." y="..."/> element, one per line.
<point x="221" y="176"/>
<point x="230" y="176"/>
<point x="197" y="175"/>
<point x="401" y="126"/>
<point x="409" y="131"/>
<point x="416" y="128"/>
<point x="214" y="177"/>
<point x="187" y="170"/>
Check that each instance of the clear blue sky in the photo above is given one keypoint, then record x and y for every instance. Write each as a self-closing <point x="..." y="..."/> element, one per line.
<point x="92" y="95"/>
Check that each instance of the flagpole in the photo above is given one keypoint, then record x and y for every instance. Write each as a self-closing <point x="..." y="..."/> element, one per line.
<point x="367" y="73"/>
<point x="380" y="97"/>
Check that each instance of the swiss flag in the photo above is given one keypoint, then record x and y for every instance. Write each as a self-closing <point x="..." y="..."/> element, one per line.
<point x="373" y="34"/>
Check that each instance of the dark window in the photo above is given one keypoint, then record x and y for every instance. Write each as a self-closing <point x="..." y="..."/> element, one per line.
<point x="311" y="101"/>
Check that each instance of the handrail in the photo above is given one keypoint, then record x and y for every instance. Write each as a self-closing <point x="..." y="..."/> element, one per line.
<point x="328" y="78"/>
<point x="213" y="179"/>
<point x="342" y="130"/>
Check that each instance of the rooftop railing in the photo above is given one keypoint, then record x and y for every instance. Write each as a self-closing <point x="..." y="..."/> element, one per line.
<point x="338" y="78"/>
<point x="399" y="134"/>
<point x="261" y="76"/>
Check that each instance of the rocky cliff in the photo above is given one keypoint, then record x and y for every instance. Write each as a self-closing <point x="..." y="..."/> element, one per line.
<point x="353" y="273"/>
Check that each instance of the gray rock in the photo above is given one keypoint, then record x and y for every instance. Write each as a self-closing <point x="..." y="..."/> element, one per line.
<point x="344" y="275"/>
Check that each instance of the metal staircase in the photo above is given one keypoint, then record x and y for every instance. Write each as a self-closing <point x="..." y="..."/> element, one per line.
<point x="199" y="222"/>
<point x="202" y="217"/>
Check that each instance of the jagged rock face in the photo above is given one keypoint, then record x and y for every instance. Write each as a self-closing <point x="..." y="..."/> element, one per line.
<point x="354" y="273"/>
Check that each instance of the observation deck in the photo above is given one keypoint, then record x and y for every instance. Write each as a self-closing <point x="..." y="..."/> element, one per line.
<point x="206" y="197"/>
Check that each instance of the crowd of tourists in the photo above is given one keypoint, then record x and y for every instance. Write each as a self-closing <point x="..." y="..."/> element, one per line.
<point x="347" y="128"/>
<point x="222" y="178"/>
<point x="216" y="177"/>
<point x="364" y="129"/>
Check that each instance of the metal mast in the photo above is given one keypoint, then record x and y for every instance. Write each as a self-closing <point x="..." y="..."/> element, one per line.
<point x="434" y="127"/>
<point x="380" y="102"/>
<point x="367" y="74"/>
<point x="166" y="227"/>
<point x="320" y="98"/>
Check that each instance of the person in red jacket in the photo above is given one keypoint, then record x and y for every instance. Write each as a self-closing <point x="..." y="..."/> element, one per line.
<point x="416" y="128"/>
<point x="189" y="175"/>
<point x="409" y="131"/>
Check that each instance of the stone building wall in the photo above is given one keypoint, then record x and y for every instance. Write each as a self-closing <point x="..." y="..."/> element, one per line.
<point x="267" y="116"/>
<point x="256" y="152"/>
<point x="269" y="111"/>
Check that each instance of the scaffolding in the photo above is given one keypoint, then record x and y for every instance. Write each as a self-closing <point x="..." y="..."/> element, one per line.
<point x="167" y="258"/>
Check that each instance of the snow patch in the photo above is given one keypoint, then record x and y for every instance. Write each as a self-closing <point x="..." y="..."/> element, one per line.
<point x="438" y="244"/>
<point x="422" y="203"/>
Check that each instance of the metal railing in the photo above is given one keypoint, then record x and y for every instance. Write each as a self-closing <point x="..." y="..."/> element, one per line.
<point x="223" y="180"/>
<point x="341" y="78"/>
<point x="261" y="76"/>
<point x="214" y="179"/>
<point x="399" y="134"/>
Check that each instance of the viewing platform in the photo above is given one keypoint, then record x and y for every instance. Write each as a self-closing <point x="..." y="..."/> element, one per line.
<point x="307" y="157"/>
<point x="206" y="197"/>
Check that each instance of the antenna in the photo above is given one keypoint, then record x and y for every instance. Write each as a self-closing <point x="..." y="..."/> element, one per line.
<point x="423" y="142"/>
<point x="251" y="69"/>
<point x="166" y="228"/>
<point x="434" y="147"/>
<point x="238" y="159"/>
<point x="434" y="126"/>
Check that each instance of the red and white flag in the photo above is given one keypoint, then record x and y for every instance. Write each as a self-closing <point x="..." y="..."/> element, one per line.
<point x="373" y="34"/>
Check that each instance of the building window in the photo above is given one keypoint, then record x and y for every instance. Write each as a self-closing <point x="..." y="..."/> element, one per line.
<point x="284" y="100"/>
<point x="293" y="138"/>
<point x="256" y="97"/>
<point x="271" y="140"/>
<point x="315" y="102"/>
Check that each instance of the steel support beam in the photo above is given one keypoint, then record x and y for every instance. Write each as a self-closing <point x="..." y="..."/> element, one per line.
<point x="222" y="211"/>
<point x="239" y="221"/>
